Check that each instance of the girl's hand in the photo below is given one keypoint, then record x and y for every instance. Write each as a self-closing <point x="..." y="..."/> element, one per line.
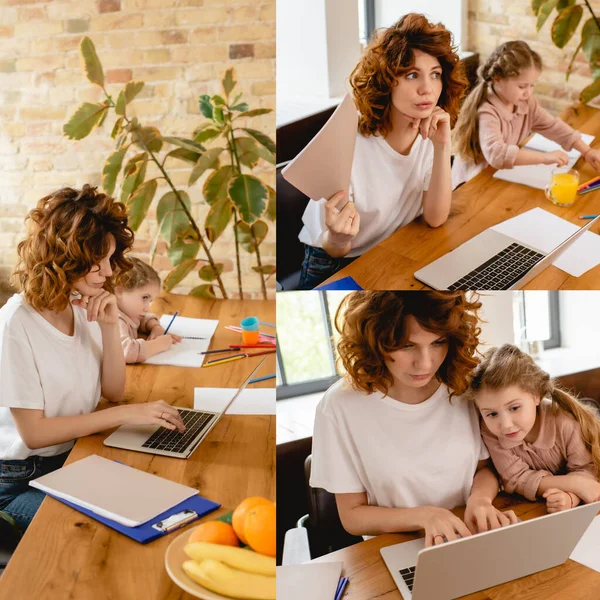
<point x="102" y="308"/>
<point x="592" y="157"/>
<point x="341" y="219"/>
<point x="557" y="500"/>
<point x="481" y="515"/>
<point x="442" y="526"/>
<point x="587" y="489"/>
<point x="157" y="331"/>
<point x="436" y="126"/>
<point x="558" y="157"/>
<point x="152" y="413"/>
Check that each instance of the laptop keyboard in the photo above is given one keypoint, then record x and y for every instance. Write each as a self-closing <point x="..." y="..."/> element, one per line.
<point x="501" y="271"/>
<point x="408" y="575"/>
<point x="174" y="441"/>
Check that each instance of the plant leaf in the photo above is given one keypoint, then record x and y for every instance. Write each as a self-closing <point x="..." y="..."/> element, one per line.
<point x="183" y="154"/>
<point x="172" y="217"/>
<point x="147" y="138"/>
<point x="103" y="115"/>
<point x="544" y="12"/>
<point x="216" y="185"/>
<point x="265" y="269"/>
<point x="84" y="120"/>
<point x="249" y="152"/>
<point x="590" y="92"/>
<point x="190" y="145"/>
<point x="261" y="138"/>
<point x="590" y="41"/>
<point x="209" y="160"/>
<point x="208" y="273"/>
<point x="205" y="106"/>
<point x="218" y="114"/>
<point x="255" y="112"/>
<point x="217" y="219"/>
<point x="536" y="5"/>
<point x="116" y="128"/>
<point x="135" y="172"/>
<point x="244" y="231"/>
<point x="565" y="24"/>
<point x="179" y="273"/>
<point x="139" y="203"/>
<point x="182" y="250"/>
<point x="207" y="134"/>
<point x="91" y="62"/>
<point x="111" y="169"/>
<point x="127" y="94"/>
<point x="203" y="291"/>
<point x="218" y="100"/>
<point x="242" y="107"/>
<point x="250" y="197"/>
<point x="564" y="4"/>
<point x="229" y="81"/>
<point x="272" y="206"/>
<point x="570" y="67"/>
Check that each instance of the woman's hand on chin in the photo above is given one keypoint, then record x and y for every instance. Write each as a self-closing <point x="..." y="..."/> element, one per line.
<point x="481" y="515"/>
<point x="442" y="526"/>
<point x="101" y="307"/>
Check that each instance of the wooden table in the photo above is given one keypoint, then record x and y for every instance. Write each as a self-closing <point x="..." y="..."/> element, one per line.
<point x="480" y="203"/>
<point x="65" y="554"/>
<point x="370" y="578"/>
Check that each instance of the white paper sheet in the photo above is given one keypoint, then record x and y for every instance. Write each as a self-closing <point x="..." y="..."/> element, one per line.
<point x="258" y="401"/>
<point x="538" y="176"/>
<point x="197" y="334"/>
<point x="317" y="581"/>
<point x="543" y="231"/>
<point x="587" y="551"/>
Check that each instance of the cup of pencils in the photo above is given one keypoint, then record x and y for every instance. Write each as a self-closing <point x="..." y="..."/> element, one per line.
<point x="250" y="332"/>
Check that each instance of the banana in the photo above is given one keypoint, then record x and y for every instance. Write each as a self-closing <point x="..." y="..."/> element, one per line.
<point x="238" y="558"/>
<point x="218" y="577"/>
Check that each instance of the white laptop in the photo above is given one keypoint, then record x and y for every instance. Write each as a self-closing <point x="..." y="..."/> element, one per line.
<point x="492" y="261"/>
<point x="487" y="559"/>
<point x="167" y="442"/>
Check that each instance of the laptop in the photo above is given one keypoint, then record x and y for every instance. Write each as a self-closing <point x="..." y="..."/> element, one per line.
<point x="167" y="442"/>
<point x="487" y="559"/>
<point x="492" y="261"/>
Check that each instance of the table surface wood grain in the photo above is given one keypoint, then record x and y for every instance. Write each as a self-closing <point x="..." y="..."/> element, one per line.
<point x="64" y="554"/>
<point x="477" y="205"/>
<point x="370" y="578"/>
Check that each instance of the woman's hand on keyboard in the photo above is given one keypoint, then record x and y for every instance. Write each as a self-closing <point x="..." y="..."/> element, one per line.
<point x="481" y="515"/>
<point x="442" y="526"/>
<point x="152" y="413"/>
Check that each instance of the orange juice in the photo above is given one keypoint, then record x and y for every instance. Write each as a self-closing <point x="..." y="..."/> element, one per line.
<point x="563" y="188"/>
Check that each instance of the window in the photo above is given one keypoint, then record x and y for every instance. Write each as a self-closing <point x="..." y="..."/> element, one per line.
<point x="538" y="318"/>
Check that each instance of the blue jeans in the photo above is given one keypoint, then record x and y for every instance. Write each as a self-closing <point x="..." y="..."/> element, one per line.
<point x="17" y="497"/>
<point x="319" y="266"/>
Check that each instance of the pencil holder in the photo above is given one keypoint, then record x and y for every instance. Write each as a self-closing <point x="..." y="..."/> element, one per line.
<point x="250" y="332"/>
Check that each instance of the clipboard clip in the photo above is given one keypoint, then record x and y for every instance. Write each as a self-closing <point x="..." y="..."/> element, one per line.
<point x="176" y="521"/>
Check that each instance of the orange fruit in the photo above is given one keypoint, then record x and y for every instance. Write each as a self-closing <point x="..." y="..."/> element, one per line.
<point x="259" y="529"/>
<point x="215" y="532"/>
<point x="239" y="514"/>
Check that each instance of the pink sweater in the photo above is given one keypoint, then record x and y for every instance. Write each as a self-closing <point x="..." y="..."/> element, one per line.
<point x="500" y="132"/>
<point x="134" y="348"/>
<point x="559" y="449"/>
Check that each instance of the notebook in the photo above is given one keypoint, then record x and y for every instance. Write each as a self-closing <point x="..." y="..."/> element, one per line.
<point x="317" y="581"/>
<point x="345" y="283"/>
<point x="113" y="490"/>
<point x="196" y="333"/>
<point x="538" y="176"/>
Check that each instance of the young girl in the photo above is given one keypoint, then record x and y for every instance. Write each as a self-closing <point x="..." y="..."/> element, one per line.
<point x="542" y="440"/>
<point x="407" y="88"/>
<point x="59" y="343"/>
<point x="502" y="111"/>
<point x="392" y="439"/>
<point x="136" y="291"/>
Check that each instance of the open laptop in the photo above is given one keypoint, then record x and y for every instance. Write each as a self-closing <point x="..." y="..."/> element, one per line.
<point x="481" y="561"/>
<point x="492" y="261"/>
<point x="167" y="442"/>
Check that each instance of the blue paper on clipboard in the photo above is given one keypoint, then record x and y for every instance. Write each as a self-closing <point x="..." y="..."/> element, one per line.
<point x="345" y="283"/>
<point x="146" y="533"/>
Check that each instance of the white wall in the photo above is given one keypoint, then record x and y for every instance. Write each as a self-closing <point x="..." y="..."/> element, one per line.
<point x="580" y="320"/>
<point x="498" y="312"/>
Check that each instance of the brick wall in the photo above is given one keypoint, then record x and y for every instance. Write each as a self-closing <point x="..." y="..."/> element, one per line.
<point x="180" y="48"/>
<point x="492" y="22"/>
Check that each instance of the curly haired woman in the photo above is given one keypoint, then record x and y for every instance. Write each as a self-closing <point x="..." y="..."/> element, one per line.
<point x="393" y="440"/>
<point x="407" y="88"/>
<point x="60" y="348"/>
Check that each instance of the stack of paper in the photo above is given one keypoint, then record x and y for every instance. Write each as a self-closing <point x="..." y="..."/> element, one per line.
<point x="196" y="334"/>
<point x="538" y="176"/>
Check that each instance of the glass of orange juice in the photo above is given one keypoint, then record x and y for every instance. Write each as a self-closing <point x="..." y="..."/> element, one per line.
<point x="563" y="185"/>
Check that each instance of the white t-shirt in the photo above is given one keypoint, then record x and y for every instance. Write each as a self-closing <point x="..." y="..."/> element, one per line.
<point x="387" y="188"/>
<point x="43" y="368"/>
<point x="401" y="455"/>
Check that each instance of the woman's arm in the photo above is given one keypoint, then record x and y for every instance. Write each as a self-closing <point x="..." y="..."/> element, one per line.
<point x="113" y="363"/>
<point x="360" y="518"/>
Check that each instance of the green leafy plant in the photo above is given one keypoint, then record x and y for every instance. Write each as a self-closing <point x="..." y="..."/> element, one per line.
<point x="563" y="29"/>
<point x="228" y="191"/>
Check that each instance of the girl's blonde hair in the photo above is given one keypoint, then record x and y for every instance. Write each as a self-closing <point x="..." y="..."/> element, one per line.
<point x="506" y="61"/>
<point x="139" y="275"/>
<point x="507" y="366"/>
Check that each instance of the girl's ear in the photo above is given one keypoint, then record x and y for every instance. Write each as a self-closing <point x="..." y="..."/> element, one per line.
<point x="537" y="400"/>
<point x="118" y="291"/>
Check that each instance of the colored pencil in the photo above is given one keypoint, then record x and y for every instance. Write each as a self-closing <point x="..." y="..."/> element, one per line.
<point x="225" y="360"/>
<point x="171" y="322"/>
<point x="265" y="345"/>
<point x="588" y="190"/>
<point x="262" y="378"/>
<point x="588" y="217"/>
<point x="223" y="350"/>
<point x="266" y="324"/>
<point x="588" y="183"/>
<point x="261" y="353"/>
<point x="214" y="360"/>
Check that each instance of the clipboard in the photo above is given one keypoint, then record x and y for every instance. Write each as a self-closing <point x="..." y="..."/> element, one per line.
<point x="148" y="532"/>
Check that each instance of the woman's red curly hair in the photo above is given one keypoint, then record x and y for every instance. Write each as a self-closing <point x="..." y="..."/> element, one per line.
<point x="372" y="325"/>
<point x="390" y="55"/>
<point x="68" y="236"/>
